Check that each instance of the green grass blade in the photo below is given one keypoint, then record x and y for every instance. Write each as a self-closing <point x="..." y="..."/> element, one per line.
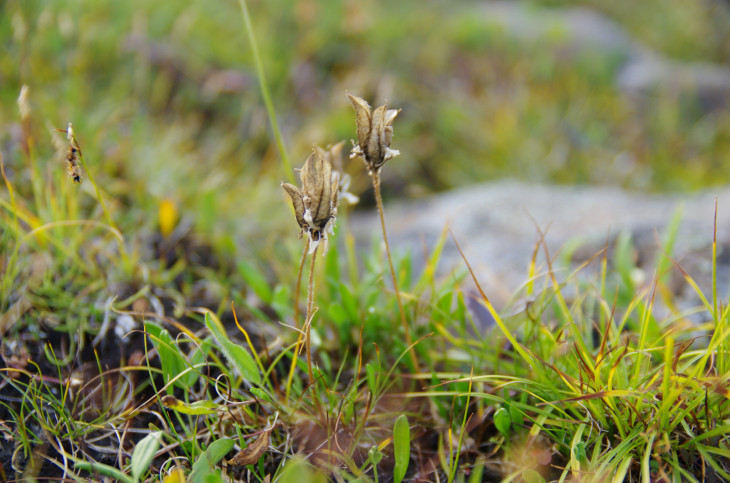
<point x="102" y="469"/>
<point x="263" y="85"/>
<point x="236" y="354"/>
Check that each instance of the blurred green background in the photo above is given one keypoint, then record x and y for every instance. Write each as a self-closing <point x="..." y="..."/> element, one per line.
<point x="166" y="104"/>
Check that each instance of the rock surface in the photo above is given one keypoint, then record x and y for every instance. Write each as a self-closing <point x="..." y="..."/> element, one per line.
<point x="497" y="224"/>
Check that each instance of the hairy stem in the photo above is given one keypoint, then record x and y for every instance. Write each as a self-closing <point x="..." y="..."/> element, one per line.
<point x="375" y="174"/>
<point x="298" y="346"/>
<point x="310" y="314"/>
<point x="297" y="288"/>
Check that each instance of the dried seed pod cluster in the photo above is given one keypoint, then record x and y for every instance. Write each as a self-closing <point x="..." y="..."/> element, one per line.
<point x="323" y="180"/>
<point x="315" y="204"/>
<point x="374" y="133"/>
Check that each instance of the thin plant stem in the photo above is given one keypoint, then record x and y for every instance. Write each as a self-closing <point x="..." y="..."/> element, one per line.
<point x="307" y="330"/>
<point x="297" y="289"/>
<point x="310" y="314"/>
<point x="265" y="91"/>
<point x="375" y="174"/>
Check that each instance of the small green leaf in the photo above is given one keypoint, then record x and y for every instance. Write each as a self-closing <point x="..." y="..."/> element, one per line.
<point x="503" y="421"/>
<point x="236" y="355"/>
<point x="171" y="361"/>
<point x="205" y="464"/>
<point x="144" y="452"/>
<point x="261" y="394"/>
<point x="375" y="455"/>
<point x="196" y="408"/>
<point x="401" y="447"/>
<point x="256" y="281"/>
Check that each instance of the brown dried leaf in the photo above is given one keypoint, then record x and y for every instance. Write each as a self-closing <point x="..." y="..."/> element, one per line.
<point x="253" y="452"/>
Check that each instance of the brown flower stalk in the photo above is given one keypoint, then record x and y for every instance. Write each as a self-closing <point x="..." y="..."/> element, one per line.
<point x="332" y="155"/>
<point x="374" y="133"/>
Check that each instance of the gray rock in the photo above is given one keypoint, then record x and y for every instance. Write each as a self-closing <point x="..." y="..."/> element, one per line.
<point x="707" y="84"/>
<point x="497" y="224"/>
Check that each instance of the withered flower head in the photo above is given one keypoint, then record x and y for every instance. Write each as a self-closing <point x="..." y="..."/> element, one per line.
<point x="315" y="204"/>
<point x="374" y="132"/>
<point x="333" y="155"/>
<point x="72" y="160"/>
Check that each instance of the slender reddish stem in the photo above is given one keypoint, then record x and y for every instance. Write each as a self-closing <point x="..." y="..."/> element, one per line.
<point x="375" y="174"/>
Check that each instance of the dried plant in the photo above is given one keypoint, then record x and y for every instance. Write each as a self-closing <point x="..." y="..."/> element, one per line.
<point x="374" y="134"/>
<point x="315" y="209"/>
<point x="332" y="155"/>
<point x="72" y="156"/>
<point x="315" y="204"/>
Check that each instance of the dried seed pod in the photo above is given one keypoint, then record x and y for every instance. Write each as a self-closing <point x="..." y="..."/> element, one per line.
<point x="333" y="155"/>
<point x="315" y="204"/>
<point x="374" y="133"/>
